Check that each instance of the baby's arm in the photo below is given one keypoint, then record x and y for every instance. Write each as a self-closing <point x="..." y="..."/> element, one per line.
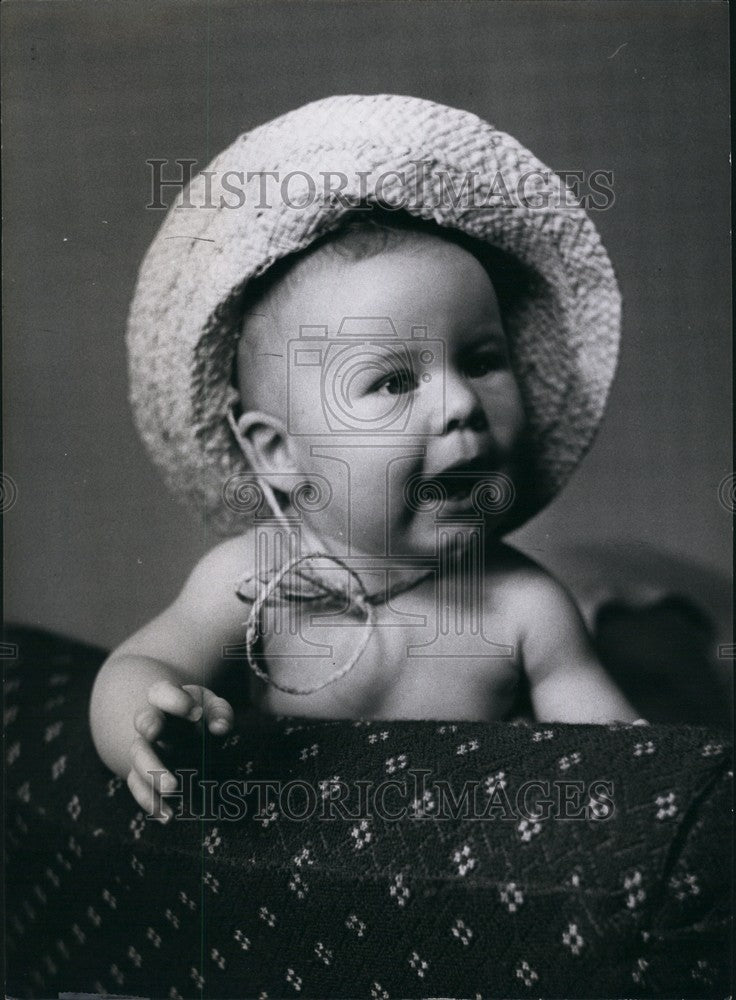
<point x="166" y="668"/>
<point x="567" y="682"/>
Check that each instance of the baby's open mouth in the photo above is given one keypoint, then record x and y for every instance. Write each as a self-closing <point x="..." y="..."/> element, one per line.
<point x="458" y="481"/>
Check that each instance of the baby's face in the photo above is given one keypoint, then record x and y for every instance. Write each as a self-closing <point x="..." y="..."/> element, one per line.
<point x="391" y="375"/>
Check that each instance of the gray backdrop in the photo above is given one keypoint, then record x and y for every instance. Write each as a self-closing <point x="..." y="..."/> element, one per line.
<point x="94" y="546"/>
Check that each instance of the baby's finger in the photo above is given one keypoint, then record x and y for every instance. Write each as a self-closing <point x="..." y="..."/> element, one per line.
<point x="147" y="799"/>
<point x="218" y="713"/>
<point x="149" y="722"/>
<point x="149" y="768"/>
<point x="174" y="700"/>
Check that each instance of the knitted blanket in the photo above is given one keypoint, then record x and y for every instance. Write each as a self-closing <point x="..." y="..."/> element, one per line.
<point x="352" y="859"/>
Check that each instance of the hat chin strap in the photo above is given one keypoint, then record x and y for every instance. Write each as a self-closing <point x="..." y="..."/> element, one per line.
<point x="317" y="551"/>
<point x="250" y="456"/>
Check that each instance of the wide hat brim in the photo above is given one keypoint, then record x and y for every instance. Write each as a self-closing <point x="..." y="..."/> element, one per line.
<point x="439" y="164"/>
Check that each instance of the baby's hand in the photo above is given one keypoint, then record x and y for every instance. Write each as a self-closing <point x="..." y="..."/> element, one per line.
<point x="189" y="702"/>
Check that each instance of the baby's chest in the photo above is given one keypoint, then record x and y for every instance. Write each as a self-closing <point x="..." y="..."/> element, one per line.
<point x="420" y="658"/>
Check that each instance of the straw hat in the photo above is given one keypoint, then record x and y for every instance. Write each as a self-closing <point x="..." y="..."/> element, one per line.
<point x="278" y="188"/>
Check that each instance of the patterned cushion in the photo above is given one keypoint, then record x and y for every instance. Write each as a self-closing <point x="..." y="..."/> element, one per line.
<point x="447" y="886"/>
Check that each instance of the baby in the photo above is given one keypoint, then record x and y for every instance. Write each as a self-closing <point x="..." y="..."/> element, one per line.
<point x="371" y="391"/>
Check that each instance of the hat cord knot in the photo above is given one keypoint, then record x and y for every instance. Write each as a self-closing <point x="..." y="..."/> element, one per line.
<point x="251" y="628"/>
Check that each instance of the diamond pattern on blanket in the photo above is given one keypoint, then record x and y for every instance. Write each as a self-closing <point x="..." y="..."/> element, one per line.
<point x="441" y="889"/>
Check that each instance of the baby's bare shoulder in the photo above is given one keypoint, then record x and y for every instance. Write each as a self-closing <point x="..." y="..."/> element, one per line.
<point x="521" y="582"/>
<point x="190" y="632"/>
<point x="226" y="562"/>
<point x="211" y="588"/>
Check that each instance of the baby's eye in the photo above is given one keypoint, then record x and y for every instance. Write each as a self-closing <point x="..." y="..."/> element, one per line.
<point x="486" y="362"/>
<point x="397" y="383"/>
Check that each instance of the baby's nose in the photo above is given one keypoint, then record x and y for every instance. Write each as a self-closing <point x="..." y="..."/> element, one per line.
<point x="462" y="409"/>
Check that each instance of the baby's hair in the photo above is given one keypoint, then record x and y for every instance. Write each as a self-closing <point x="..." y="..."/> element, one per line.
<point x="371" y="230"/>
<point x="368" y="231"/>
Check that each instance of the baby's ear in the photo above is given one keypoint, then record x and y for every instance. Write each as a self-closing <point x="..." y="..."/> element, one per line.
<point x="265" y="444"/>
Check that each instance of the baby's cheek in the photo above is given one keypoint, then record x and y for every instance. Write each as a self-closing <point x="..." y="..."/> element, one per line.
<point x="506" y="415"/>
